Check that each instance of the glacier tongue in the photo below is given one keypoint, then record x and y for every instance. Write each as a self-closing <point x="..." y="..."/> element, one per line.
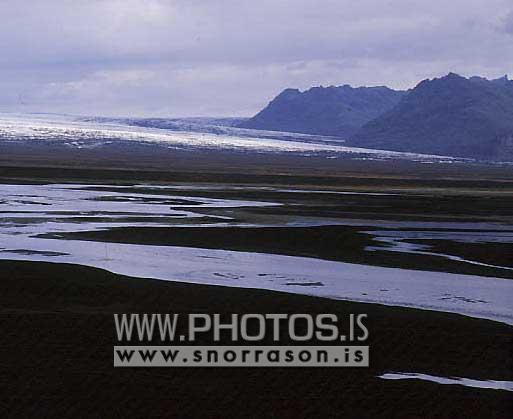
<point x="95" y="132"/>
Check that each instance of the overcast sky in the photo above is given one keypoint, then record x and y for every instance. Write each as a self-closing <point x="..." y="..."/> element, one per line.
<point x="230" y="57"/>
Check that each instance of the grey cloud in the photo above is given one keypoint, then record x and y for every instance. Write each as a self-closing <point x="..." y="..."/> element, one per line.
<point x="508" y="23"/>
<point x="229" y="57"/>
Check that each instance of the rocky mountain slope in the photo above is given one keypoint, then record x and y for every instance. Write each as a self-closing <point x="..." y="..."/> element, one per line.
<point x="452" y="115"/>
<point x="336" y="111"/>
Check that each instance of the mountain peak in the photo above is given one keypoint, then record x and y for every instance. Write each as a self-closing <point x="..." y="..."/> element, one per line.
<point x="289" y="92"/>
<point x="452" y="75"/>
<point x="451" y="115"/>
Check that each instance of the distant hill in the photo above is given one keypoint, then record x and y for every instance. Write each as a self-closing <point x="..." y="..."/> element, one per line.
<point x="451" y="115"/>
<point x="337" y="111"/>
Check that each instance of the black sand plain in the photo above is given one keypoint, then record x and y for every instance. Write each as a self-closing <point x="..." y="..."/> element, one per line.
<point x="58" y="331"/>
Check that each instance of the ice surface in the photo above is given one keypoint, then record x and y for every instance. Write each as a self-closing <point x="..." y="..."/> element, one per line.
<point x="90" y="133"/>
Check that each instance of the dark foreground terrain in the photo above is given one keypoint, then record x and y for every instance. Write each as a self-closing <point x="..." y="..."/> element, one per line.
<point x="57" y="324"/>
<point x="58" y="333"/>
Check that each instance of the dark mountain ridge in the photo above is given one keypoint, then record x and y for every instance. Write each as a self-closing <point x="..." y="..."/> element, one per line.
<point x="336" y="111"/>
<point x="451" y="115"/>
